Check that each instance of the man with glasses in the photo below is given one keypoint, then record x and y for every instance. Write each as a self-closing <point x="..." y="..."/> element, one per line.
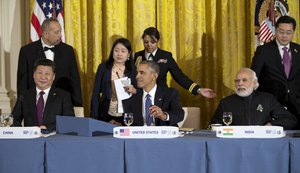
<point x="277" y="65"/>
<point x="250" y="107"/>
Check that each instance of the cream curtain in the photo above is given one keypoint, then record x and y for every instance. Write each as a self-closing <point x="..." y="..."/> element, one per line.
<point x="210" y="39"/>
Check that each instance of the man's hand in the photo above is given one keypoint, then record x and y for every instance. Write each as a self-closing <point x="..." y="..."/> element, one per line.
<point x="158" y="113"/>
<point x="207" y="92"/>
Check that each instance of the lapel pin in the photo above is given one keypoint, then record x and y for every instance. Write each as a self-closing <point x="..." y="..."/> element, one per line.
<point x="295" y="50"/>
<point x="259" y="108"/>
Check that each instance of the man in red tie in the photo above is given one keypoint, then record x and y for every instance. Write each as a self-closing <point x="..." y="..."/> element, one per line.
<point x="49" y="46"/>
<point x="277" y="65"/>
<point x="39" y="106"/>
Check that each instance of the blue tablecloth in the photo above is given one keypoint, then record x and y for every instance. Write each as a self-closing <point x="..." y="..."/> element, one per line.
<point x="76" y="154"/>
<point x="248" y="155"/>
<point x="295" y="155"/>
<point x="200" y="152"/>
<point x="165" y="155"/>
<point x="22" y="155"/>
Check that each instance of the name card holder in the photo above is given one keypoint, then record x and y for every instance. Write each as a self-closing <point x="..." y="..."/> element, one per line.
<point x="250" y="132"/>
<point x="20" y="132"/>
<point x="146" y="132"/>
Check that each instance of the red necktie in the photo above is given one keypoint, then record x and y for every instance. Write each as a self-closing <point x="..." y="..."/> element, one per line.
<point x="286" y="60"/>
<point x="40" y="108"/>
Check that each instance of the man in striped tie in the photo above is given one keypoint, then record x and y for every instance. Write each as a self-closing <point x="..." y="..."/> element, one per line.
<point x="153" y="104"/>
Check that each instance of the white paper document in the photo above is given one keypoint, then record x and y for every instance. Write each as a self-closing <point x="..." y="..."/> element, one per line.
<point x="121" y="93"/>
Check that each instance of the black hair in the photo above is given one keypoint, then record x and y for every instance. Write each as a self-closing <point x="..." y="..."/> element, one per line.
<point x="286" y="19"/>
<point x="152" y="32"/>
<point x="129" y="63"/>
<point x="44" y="62"/>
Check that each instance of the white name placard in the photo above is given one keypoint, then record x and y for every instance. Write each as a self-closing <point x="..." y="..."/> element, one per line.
<point x="145" y="132"/>
<point x="19" y="132"/>
<point x="250" y="132"/>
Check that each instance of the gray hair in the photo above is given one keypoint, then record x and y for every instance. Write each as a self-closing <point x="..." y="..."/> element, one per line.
<point x="46" y="23"/>
<point x="253" y="74"/>
<point x="153" y="66"/>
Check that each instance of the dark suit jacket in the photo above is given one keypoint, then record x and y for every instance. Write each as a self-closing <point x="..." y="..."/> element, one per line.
<point x="66" y="77"/>
<point x="165" y="98"/>
<point x="256" y="109"/>
<point x="102" y="91"/>
<point x="167" y="64"/>
<point x="267" y="63"/>
<point x="58" y="103"/>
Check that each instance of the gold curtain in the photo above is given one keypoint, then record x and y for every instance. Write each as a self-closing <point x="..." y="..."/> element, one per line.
<point x="210" y="39"/>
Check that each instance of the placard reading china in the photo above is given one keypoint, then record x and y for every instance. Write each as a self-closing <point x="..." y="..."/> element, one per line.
<point x="146" y="132"/>
<point x="250" y="132"/>
<point x="19" y="132"/>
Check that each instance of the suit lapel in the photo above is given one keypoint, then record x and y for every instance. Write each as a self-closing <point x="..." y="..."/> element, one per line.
<point x="159" y="97"/>
<point x="39" y="50"/>
<point x="139" y="107"/>
<point x="49" y="103"/>
<point x="158" y="55"/>
<point x="295" y="60"/>
<point x="32" y="101"/>
<point x="58" y="55"/>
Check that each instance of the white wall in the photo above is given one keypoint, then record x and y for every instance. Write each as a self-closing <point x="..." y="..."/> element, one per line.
<point x="15" y="36"/>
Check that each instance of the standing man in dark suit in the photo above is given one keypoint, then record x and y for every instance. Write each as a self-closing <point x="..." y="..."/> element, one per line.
<point x="277" y="65"/>
<point x="167" y="64"/>
<point x="39" y="105"/>
<point x="50" y="47"/>
<point x="163" y="107"/>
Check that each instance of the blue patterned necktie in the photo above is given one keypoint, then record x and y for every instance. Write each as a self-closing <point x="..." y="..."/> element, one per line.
<point x="147" y="110"/>
<point x="286" y="59"/>
<point x="40" y="108"/>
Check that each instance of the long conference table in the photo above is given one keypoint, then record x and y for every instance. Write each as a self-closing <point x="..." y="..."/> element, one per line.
<point x="198" y="152"/>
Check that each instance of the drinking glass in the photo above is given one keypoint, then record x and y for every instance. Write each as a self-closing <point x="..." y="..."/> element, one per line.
<point x="227" y="118"/>
<point x="6" y="120"/>
<point x="128" y="118"/>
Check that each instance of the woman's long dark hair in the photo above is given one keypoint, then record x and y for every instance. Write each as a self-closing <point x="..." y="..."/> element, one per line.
<point x="129" y="63"/>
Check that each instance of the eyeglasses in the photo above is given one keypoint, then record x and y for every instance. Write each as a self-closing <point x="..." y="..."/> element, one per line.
<point x="244" y="80"/>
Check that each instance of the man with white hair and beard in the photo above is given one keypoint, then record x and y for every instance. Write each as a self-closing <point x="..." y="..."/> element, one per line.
<point x="250" y="107"/>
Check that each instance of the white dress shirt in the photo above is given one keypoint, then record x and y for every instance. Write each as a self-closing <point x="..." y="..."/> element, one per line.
<point x="49" y="54"/>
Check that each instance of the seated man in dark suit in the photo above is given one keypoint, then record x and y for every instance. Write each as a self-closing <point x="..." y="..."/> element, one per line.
<point x="153" y="104"/>
<point x="39" y="106"/>
<point x="250" y="107"/>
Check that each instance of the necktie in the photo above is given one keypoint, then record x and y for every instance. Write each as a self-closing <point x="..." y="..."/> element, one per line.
<point x="150" y="58"/>
<point x="286" y="59"/>
<point x="40" y="108"/>
<point x="147" y="110"/>
<point x="49" y="48"/>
